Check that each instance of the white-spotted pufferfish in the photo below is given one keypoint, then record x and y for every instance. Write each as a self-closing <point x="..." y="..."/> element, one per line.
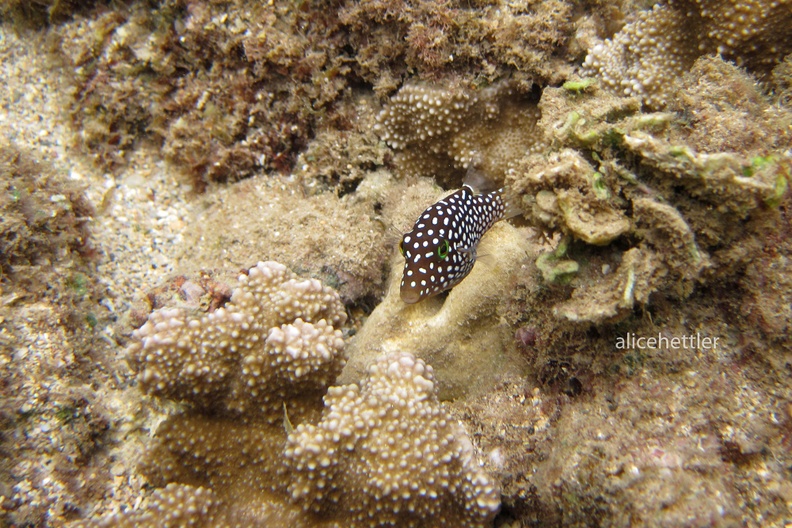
<point x="440" y="250"/>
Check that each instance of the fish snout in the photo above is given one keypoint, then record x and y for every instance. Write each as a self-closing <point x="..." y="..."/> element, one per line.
<point x="410" y="295"/>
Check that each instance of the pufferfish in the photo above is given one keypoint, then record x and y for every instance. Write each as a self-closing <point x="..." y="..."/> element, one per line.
<point x="440" y="250"/>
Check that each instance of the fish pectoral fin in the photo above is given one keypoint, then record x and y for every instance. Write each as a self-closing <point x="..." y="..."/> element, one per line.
<point x="486" y="258"/>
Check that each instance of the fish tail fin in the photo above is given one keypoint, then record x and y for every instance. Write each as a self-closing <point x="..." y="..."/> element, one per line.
<point x="512" y="203"/>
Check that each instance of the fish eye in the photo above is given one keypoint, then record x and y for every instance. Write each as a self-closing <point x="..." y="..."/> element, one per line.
<point x="442" y="251"/>
<point x="401" y="248"/>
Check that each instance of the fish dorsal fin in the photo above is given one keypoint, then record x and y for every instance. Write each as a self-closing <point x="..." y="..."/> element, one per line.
<point x="476" y="179"/>
<point x="479" y="183"/>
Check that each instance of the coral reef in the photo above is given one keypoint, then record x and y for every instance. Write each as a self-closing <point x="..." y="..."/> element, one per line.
<point x="682" y="211"/>
<point x="644" y="224"/>
<point x="652" y="208"/>
<point x="340" y="162"/>
<point x="270" y="352"/>
<point x="223" y="361"/>
<point x="648" y="54"/>
<point x="229" y="88"/>
<point x="484" y="41"/>
<point x="461" y="334"/>
<point x="233" y="465"/>
<point x="442" y="132"/>
<point x="386" y="454"/>
<point x="225" y="88"/>
<point x="232" y="457"/>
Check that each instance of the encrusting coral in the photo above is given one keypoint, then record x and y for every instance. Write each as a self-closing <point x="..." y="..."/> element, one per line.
<point x="647" y="55"/>
<point x="231" y="458"/>
<point x="389" y="447"/>
<point x="442" y="132"/>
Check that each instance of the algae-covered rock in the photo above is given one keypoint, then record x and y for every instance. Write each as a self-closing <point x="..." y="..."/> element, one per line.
<point x="462" y="335"/>
<point x="564" y="190"/>
<point x="322" y="235"/>
<point x="43" y="215"/>
<point x="634" y="280"/>
<point x="554" y="265"/>
<point x="652" y="187"/>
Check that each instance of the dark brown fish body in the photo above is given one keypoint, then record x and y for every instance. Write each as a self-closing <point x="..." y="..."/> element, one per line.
<point x="441" y="248"/>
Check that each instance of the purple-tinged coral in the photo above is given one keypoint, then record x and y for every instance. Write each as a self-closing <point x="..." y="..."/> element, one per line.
<point x="403" y="459"/>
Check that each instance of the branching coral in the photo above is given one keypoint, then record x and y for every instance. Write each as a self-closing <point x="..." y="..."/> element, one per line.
<point x="387" y="454"/>
<point x="647" y="55"/>
<point x="272" y="349"/>
<point x="223" y="360"/>
<point x="222" y="460"/>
